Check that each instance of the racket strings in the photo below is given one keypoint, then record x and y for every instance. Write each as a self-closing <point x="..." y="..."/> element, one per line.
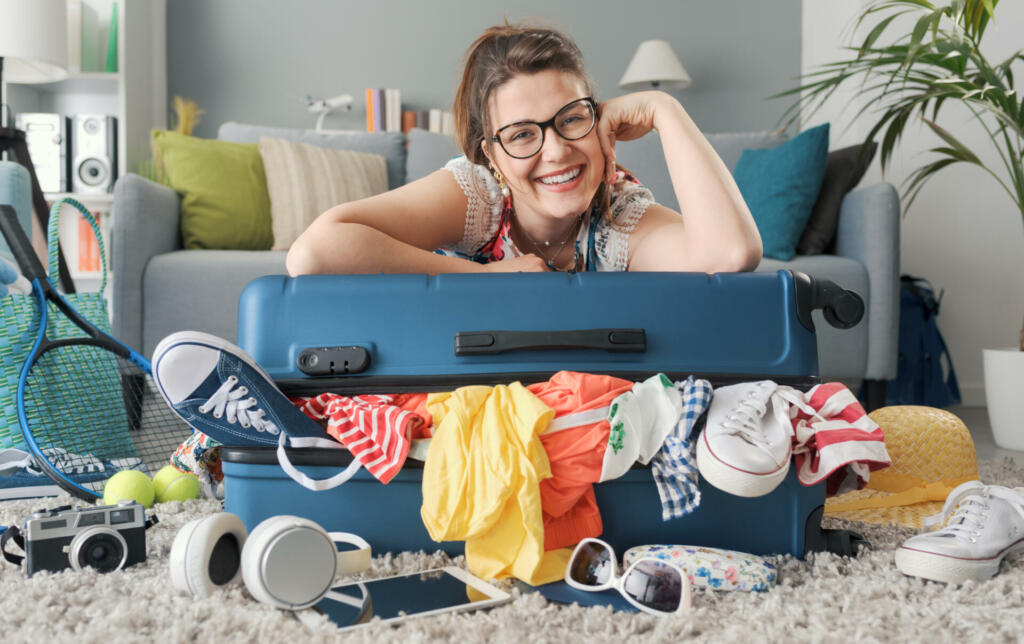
<point x="92" y="414"/>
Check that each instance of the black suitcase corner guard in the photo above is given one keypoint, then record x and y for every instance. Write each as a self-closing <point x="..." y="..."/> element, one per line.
<point x="843" y="309"/>
<point x="845" y="543"/>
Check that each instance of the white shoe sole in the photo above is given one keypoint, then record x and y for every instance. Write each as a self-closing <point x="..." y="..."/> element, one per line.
<point x="950" y="570"/>
<point x="198" y="337"/>
<point x="733" y="480"/>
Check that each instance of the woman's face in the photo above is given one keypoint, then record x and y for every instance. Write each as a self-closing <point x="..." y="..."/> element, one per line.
<point x="561" y="179"/>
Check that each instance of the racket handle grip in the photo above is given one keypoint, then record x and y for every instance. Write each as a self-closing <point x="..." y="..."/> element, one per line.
<point x="20" y="245"/>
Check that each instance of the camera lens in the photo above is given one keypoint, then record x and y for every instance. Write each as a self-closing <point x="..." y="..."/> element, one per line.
<point x="100" y="548"/>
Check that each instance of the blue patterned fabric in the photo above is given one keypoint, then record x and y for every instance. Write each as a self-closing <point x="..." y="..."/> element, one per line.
<point x="674" y="467"/>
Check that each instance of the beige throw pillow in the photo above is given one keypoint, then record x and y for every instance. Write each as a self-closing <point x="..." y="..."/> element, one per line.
<point x="305" y="180"/>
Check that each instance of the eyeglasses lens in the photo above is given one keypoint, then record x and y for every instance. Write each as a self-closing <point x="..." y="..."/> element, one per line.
<point x="574" y="121"/>
<point x="654" y="584"/>
<point x="592" y="565"/>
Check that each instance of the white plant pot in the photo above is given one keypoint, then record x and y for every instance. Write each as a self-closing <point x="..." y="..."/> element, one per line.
<point x="1004" y="394"/>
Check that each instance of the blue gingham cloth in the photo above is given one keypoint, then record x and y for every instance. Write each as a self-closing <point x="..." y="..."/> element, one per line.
<point x="674" y="467"/>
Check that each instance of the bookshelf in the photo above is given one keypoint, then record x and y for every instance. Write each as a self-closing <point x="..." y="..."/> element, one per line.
<point x="136" y="94"/>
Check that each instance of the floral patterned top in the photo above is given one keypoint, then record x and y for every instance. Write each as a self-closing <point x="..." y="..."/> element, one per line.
<point x="601" y="245"/>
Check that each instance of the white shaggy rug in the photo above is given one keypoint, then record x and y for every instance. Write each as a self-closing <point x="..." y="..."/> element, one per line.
<point x="825" y="598"/>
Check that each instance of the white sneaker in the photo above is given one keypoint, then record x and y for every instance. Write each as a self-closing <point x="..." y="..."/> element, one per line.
<point x="986" y="525"/>
<point x="747" y="443"/>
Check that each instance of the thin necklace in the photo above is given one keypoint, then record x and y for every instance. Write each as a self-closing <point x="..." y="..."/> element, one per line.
<point x="572" y="235"/>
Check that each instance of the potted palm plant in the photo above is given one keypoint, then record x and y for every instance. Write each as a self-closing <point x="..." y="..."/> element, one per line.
<point x="918" y="57"/>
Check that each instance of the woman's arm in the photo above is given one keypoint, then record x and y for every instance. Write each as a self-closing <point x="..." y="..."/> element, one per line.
<point x="716" y="232"/>
<point x="394" y="232"/>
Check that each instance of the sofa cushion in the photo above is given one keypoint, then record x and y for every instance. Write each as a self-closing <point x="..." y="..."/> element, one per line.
<point x="178" y="292"/>
<point x="428" y="151"/>
<point x="645" y="159"/>
<point x="390" y="145"/>
<point x="224" y="200"/>
<point x="843" y="171"/>
<point x="780" y="187"/>
<point x="305" y="180"/>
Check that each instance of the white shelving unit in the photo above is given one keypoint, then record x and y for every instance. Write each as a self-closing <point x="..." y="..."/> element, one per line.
<point x="136" y="93"/>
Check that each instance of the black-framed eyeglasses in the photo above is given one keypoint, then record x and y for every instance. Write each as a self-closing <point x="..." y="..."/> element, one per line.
<point x="524" y="139"/>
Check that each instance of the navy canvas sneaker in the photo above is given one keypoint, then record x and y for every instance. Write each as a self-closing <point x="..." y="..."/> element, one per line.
<point x="220" y="391"/>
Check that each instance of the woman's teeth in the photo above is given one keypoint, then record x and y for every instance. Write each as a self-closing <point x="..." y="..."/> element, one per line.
<point x="565" y="177"/>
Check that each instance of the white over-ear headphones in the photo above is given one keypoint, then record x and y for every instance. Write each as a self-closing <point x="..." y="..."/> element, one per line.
<point x="287" y="561"/>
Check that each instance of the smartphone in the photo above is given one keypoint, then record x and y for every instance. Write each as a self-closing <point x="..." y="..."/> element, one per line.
<point x="402" y="597"/>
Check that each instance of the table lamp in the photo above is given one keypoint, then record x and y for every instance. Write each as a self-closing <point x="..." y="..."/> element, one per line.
<point x="655" y="66"/>
<point x="33" y="49"/>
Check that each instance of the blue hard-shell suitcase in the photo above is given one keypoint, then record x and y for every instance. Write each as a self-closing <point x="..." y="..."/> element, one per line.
<point x="355" y="334"/>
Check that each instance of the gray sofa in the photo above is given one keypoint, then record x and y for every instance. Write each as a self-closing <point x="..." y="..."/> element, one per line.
<point x="160" y="288"/>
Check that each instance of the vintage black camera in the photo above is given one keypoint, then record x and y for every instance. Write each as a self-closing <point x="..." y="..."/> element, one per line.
<point x="106" y="538"/>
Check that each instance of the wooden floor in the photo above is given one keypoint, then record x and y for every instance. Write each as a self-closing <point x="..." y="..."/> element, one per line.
<point x="976" y="419"/>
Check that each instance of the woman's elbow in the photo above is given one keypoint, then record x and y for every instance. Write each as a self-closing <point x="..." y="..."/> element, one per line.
<point x="741" y="257"/>
<point x="750" y="254"/>
<point x="301" y="259"/>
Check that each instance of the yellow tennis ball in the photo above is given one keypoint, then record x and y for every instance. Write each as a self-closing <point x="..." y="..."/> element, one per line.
<point x="129" y="484"/>
<point x="171" y="484"/>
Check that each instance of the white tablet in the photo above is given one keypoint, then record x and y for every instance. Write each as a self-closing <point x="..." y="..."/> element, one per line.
<point x="401" y="597"/>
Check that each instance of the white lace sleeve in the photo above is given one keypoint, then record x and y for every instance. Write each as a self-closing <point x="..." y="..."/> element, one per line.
<point x="628" y="205"/>
<point x="484" y="202"/>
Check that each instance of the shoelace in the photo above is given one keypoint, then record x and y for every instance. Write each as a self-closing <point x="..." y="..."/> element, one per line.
<point x="967" y="507"/>
<point x="745" y="419"/>
<point x="231" y="401"/>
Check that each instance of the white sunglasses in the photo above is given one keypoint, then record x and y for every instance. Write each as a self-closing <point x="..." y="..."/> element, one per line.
<point x="655" y="586"/>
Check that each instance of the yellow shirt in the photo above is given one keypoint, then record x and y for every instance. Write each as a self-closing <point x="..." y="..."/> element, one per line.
<point x="481" y="481"/>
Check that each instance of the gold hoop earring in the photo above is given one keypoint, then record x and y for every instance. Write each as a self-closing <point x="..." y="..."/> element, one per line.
<point x="502" y="186"/>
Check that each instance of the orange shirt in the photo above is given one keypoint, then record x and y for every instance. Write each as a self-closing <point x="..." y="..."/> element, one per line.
<point x="575" y="453"/>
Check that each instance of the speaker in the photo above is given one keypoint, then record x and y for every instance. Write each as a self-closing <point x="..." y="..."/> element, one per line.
<point x="93" y="153"/>
<point x="46" y="136"/>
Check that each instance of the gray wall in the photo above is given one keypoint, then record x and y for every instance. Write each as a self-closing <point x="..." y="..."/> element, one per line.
<point x="253" y="61"/>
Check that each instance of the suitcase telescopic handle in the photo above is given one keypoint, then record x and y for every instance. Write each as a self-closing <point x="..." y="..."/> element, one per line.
<point x="479" y="343"/>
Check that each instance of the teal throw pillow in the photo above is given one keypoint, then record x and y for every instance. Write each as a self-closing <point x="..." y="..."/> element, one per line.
<point x="780" y="186"/>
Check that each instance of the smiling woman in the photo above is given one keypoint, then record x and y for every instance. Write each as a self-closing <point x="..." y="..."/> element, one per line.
<point x="537" y="188"/>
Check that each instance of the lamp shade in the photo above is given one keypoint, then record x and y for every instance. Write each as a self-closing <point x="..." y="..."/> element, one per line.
<point x="34" y="40"/>
<point x="655" y="65"/>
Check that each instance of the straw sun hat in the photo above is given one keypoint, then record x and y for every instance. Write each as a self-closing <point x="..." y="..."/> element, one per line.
<point x="931" y="451"/>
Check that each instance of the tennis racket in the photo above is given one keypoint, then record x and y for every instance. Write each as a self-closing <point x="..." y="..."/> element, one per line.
<point x="86" y="403"/>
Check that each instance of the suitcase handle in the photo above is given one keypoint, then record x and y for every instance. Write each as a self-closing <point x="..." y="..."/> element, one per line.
<point x="479" y="343"/>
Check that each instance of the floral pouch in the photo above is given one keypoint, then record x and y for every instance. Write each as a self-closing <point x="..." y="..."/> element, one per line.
<point x="712" y="568"/>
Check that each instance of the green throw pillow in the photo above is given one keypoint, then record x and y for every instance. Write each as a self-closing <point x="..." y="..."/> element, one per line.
<point x="780" y="186"/>
<point x="224" y="202"/>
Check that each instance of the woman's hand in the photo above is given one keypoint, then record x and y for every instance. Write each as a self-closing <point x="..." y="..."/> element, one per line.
<point x="522" y="264"/>
<point x="625" y="118"/>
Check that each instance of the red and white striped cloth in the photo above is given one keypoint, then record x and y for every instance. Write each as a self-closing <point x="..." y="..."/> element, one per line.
<point x="835" y="440"/>
<point x="375" y="430"/>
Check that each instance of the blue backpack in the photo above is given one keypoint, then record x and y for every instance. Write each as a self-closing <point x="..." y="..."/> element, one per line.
<point x="923" y="377"/>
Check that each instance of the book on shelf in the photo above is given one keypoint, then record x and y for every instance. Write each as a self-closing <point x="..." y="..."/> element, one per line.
<point x="369" y="110"/>
<point x="79" y="244"/>
<point x="89" y="39"/>
<point x="383" y="110"/>
<point x="378" y="110"/>
<point x="408" y="121"/>
<point x="393" y="118"/>
<point x="110" y="64"/>
<point x="74" y="36"/>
